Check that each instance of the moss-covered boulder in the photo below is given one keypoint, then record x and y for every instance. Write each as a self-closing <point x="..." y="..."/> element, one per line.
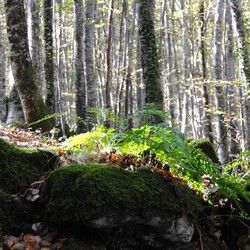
<point x="207" y="148"/>
<point x="82" y="193"/>
<point x="142" y="208"/>
<point x="20" y="167"/>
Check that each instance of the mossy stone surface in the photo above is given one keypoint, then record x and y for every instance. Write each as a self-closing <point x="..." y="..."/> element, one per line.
<point x="207" y="148"/>
<point x="80" y="193"/>
<point x="13" y="213"/>
<point x="20" y="167"/>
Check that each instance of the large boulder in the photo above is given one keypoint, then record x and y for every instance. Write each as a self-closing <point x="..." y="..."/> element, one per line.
<point x="141" y="208"/>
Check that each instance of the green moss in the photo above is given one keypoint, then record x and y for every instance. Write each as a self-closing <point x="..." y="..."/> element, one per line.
<point x="20" y="167"/>
<point x="13" y="213"/>
<point x="207" y="148"/>
<point x="5" y="209"/>
<point x="81" y="193"/>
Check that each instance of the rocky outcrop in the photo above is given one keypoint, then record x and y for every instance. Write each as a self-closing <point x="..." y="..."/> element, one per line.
<point x="131" y="209"/>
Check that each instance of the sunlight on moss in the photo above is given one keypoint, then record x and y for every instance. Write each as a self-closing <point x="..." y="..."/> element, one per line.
<point x="90" y="191"/>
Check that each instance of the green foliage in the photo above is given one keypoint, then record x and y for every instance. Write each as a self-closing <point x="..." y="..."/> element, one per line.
<point x="240" y="163"/>
<point x="149" y="111"/>
<point x="103" y="114"/>
<point x="186" y="160"/>
<point x="80" y="193"/>
<point x="170" y="147"/>
<point x="207" y="148"/>
<point x="100" y="139"/>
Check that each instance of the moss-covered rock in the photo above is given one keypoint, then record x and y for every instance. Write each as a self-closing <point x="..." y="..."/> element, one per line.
<point x="14" y="213"/>
<point x="83" y="193"/>
<point x="207" y="148"/>
<point x="20" y="167"/>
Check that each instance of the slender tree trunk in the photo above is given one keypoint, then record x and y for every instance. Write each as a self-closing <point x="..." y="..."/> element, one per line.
<point x="140" y="101"/>
<point x="108" y="61"/>
<point x="23" y="71"/>
<point x="244" y="56"/>
<point x="170" y="87"/>
<point x="185" y="70"/>
<point x="230" y="74"/>
<point x="89" y="59"/>
<point x="208" y="121"/>
<point x="130" y="91"/>
<point x="37" y="47"/>
<point x="149" y="56"/>
<point x="49" y="54"/>
<point x="2" y="74"/>
<point x="121" y="61"/>
<point x="221" y="128"/>
<point x="79" y="67"/>
<point x="241" y="35"/>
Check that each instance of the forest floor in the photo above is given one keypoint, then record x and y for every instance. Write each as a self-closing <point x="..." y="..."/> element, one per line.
<point x="26" y="138"/>
<point x="213" y="225"/>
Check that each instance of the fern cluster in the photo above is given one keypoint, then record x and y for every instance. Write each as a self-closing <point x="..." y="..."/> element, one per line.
<point x="172" y="148"/>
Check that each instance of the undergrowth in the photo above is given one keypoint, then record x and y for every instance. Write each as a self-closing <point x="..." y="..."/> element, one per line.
<point x="170" y="148"/>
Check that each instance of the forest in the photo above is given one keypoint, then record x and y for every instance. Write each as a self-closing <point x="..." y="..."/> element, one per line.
<point x="162" y="84"/>
<point x="86" y="59"/>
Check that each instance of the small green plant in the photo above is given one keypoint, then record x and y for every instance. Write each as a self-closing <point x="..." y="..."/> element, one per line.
<point x="147" y="112"/>
<point x="99" y="139"/>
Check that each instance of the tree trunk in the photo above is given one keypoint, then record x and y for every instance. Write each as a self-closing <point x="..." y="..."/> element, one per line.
<point x="170" y="78"/>
<point x="108" y="61"/>
<point x="79" y="67"/>
<point x="23" y="71"/>
<point x="219" y="95"/>
<point x="208" y="121"/>
<point x="49" y="54"/>
<point x="89" y="59"/>
<point x="230" y="74"/>
<point x="2" y="74"/>
<point x="185" y="103"/>
<point x="149" y="56"/>
<point x="37" y="47"/>
<point x="244" y="56"/>
<point x="15" y="116"/>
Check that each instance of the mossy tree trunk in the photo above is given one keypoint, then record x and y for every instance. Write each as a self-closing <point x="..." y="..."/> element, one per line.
<point x="23" y="71"/>
<point x="149" y="55"/>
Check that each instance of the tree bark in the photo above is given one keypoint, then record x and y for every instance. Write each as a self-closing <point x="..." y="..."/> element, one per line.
<point x="108" y="61"/>
<point x="230" y="75"/>
<point x="2" y="75"/>
<point x="79" y="67"/>
<point x="15" y="116"/>
<point x="89" y="60"/>
<point x="244" y="56"/>
<point x="208" y="120"/>
<point x="185" y="103"/>
<point x="149" y="56"/>
<point x="49" y="54"/>
<point x="37" y="46"/>
<point x="218" y="88"/>
<point x="23" y="71"/>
